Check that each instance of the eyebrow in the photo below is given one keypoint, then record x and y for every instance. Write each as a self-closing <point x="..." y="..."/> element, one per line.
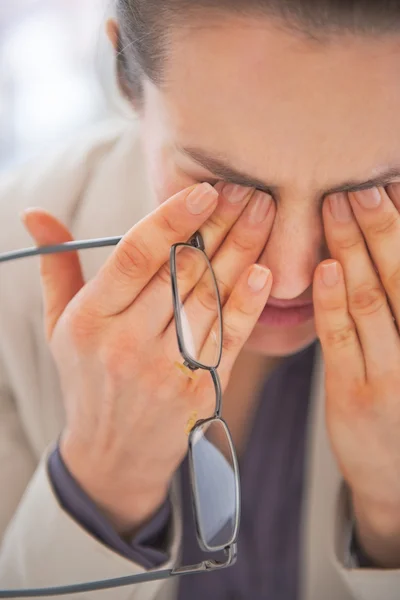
<point x="222" y="170"/>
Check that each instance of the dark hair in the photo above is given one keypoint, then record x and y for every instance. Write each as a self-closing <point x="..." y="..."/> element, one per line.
<point x="145" y="25"/>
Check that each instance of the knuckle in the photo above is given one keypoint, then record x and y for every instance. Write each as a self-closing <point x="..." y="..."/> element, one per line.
<point x="349" y="243"/>
<point x="340" y="337"/>
<point x="243" y="243"/>
<point x="171" y="226"/>
<point x="187" y="272"/>
<point x="232" y="338"/>
<point x="331" y="304"/>
<point x="80" y="327"/>
<point x="188" y="267"/>
<point x="216" y="223"/>
<point x="244" y="309"/>
<point x="164" y="274"/>
<point x="366" y="300"/>
<point x="132" y="256"/>
<point x="225" y="290"/>
<point x="389" y="224"/>
<point x="206" y="295"/>
<point x="392" y="281"/>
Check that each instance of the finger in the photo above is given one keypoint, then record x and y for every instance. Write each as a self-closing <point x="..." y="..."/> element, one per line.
<point x="335" y="327"/>
<point x="231" y="206"/>
<point x="146" y="247"/>
<point x="240" y="315"/>
<point x="242" y="247"/>
<point x="379" y="221"/>
<point x="366" y="299"/>
<point x="61" y="274"/>
<point x="233" y="201"/>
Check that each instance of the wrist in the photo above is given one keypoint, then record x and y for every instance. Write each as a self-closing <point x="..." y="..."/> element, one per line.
<point x="127" y="506"/>
<point x="381" y="517"/>
<point x="378" y="531"/>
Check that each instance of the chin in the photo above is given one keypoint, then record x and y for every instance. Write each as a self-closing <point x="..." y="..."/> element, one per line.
<point x="281" y="341"/>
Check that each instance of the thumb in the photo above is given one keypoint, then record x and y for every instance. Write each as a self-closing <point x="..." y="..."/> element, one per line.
<point x="61" y="274"/>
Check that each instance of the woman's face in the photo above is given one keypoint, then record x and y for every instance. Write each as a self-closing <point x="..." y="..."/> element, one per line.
<point x="302" y="117"/>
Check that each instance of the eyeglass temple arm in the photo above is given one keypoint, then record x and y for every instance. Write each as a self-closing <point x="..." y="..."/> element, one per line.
<point x="59" y="248"/>
<point x="197" y="241"/>
<point x="80" y="588"/>
<point x="123" y="581"/>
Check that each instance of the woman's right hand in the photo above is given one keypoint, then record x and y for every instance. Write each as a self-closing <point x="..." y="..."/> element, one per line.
<point x="114" y="341"/>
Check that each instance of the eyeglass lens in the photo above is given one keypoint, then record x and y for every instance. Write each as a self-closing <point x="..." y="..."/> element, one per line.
<point x="198" y="306"/>
<point x="213" y="470"/>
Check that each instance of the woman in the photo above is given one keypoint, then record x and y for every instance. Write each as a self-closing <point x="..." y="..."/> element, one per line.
<point x="290" y="112"/>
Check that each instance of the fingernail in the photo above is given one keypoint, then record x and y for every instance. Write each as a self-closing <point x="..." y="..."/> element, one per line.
<point x="394" y="194"/>
<point x="370" y="198"/>
<point x="340" y="208"/>
<point x="236" y="193"/>
<point x="219" y="186"/>
<point x="261" y="203"/>
<point x="26" y="212"/>
<point x="201" y="198"/>
<point x="258" y="278"/>
<point x="330" y="274"/>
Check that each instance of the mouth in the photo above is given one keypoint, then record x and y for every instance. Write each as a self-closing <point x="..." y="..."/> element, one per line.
<point x="295" y="303"/>
<point x="287" y="313"/>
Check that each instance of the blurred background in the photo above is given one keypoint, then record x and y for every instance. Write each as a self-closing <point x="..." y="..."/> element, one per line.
<point x="56" y="73"/>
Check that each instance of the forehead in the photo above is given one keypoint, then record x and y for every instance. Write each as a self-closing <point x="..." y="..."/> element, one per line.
<point x="270" y="100"/>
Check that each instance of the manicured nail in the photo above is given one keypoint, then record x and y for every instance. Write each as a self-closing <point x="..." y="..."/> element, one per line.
<point x="236" y="193"/>
<point x="201" y="198"/>
<point x="261" y="204"/>
<point x="340" y="208"/>
<point x="258" y="278"/>
<point x="330" y="274"/>
<point x="370" y="198"/>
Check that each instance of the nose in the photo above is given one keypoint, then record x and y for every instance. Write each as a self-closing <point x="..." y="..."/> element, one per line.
<point x="295" y="247"/>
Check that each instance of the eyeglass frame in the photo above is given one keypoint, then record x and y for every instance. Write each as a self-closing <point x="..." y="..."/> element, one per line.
<point x="197" y="243"/>
<point x="231" y="549"/>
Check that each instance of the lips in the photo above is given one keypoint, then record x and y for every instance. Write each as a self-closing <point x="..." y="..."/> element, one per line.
<point x="295" y="303"/>
<point x="287" y="313"/>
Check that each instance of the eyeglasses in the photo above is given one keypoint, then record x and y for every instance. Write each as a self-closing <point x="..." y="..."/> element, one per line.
<point x="213" y="465"/>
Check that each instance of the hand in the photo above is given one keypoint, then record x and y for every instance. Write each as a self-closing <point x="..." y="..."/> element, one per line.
<point x="357" y="304"/>
<point x="114" y="341"/>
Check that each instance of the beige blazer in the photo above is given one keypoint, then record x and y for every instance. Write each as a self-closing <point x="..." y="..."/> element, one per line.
<point x="98" y="187"/>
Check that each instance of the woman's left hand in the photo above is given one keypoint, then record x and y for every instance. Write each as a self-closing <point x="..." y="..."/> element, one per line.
<point x="357" y="305"/>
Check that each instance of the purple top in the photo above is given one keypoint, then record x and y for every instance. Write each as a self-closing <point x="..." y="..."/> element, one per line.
<point x="272" y="470"/>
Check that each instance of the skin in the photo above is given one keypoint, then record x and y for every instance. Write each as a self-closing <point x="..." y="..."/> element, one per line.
<point x="302" y="117"/>
<point x="302" y="127"/>
<point x="284" y="121"/>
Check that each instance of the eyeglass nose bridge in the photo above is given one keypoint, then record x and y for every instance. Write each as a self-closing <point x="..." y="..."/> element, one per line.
<point x="189" y="368"/>
<point x="217" y="385"/>
<point x="218" y="392"/>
